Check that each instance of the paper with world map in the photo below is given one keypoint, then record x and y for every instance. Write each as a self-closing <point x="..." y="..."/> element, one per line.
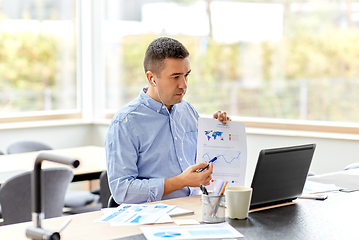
<point x="228" y="143"/>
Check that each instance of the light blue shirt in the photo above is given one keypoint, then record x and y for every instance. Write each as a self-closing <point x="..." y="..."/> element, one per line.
<point x="144" y="145"/>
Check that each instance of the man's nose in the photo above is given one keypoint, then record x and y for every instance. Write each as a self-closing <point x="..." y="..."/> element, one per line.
<point x="183" y="83"/>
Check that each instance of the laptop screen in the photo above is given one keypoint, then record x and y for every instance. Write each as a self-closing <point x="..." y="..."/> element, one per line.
<point x="280" y="174"/>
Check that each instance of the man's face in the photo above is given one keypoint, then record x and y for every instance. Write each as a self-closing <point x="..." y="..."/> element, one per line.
<point x="172" y="83"/>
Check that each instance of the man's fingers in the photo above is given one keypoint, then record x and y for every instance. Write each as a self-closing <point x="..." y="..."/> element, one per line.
<point x="208" y="180"/>
<point x="200" y="165"/>
<point x="217" y="114"/>
<point x="222" y="116"/>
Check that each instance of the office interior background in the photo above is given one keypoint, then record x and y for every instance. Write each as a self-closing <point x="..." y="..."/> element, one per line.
<point x="288" y="69"/>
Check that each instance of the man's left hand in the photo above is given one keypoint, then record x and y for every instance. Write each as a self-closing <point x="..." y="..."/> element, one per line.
<point x="221" y="116"/>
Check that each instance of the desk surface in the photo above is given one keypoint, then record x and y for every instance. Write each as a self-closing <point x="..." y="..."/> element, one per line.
<point x="334" y="218"/>
<point x="346" y="179"/>
<point x="92" y="162"/>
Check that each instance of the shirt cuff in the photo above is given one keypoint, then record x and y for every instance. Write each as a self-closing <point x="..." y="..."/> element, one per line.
<point x="193" y="191"/>
<point x="157" y="187"/>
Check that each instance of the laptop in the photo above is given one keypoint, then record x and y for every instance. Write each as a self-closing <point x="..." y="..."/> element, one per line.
<point x="280" y="174"/>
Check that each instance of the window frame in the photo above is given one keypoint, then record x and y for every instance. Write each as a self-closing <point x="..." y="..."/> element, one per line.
<point x="91" y="86"/>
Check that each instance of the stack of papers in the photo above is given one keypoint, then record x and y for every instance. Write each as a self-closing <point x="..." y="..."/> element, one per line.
<point x="135" y="214"/>
<point x="202" y="231"/>
<point x="311" y="187"/>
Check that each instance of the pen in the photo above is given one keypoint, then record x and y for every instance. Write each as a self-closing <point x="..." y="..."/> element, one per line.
<point x="223" y="187"/>
<point x="314" y="196"/>
<point x="68" y="220"/>
<point x="203" y="188"/>
<point x="216" y="205"/>
<point x="212" y="160"/>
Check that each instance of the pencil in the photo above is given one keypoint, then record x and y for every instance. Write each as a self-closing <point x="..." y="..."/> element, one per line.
<point x="215" y="206"/>
<point x="222" y="190"/>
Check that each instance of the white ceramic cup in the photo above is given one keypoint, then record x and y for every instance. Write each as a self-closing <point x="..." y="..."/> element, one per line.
<point x="238" y="200"/>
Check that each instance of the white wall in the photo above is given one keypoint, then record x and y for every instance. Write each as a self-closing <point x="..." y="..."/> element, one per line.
<point x="332" y="153"/>
<point x="57" y="136"/>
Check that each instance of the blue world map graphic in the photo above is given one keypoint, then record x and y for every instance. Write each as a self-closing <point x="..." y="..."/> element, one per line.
<point x="214" y="134"/>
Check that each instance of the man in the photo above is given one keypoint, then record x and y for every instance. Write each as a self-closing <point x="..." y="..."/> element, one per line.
<point x="152" y="141"/>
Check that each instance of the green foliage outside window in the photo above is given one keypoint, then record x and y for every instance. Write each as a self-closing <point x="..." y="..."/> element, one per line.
<point x="315" y="72"/>
<point x="27" y="62"/>
<point x="324" y="65"/>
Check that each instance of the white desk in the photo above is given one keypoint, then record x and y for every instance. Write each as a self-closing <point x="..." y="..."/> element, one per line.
<point x="92" y="162"/>
<point x="347" y="179"/>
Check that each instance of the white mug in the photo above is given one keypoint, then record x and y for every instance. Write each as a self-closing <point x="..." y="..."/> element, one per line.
<point x="238" y="200"/>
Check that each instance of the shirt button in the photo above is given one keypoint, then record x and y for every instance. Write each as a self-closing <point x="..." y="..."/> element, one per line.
<point x="163" y="106"/>
<point x="175" y="138"/>
<point x="180" y="159"/>
<point x="158" y="110"/>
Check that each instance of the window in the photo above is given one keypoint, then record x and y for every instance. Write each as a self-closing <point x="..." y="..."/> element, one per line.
<point x="37" y="57"/>
<point x="292" y="60"/>
<point x="268" y="61"/>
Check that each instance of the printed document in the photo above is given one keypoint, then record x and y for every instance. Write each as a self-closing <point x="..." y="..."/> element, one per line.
<point x="311" y="187"/>
<point x="134" y="214"/>
<point x="201" y="231"/>
<point x="228" y="143"/>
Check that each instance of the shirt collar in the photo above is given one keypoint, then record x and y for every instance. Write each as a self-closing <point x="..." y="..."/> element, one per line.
<point x="153" y="104"/>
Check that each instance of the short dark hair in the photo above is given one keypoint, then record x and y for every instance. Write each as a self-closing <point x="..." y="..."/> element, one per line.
<point x="159" y="50"/>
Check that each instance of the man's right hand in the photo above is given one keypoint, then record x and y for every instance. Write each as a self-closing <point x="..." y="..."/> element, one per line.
<point x="189" y="178"/>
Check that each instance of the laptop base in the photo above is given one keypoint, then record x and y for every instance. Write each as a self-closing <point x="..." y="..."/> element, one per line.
<point x="271" y="204"/>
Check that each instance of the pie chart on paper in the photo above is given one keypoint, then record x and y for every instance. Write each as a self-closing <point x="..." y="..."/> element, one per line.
<point x="167" y="234"/>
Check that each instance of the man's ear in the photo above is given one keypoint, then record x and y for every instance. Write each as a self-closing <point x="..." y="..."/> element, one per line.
<point x="151" y="78"/>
